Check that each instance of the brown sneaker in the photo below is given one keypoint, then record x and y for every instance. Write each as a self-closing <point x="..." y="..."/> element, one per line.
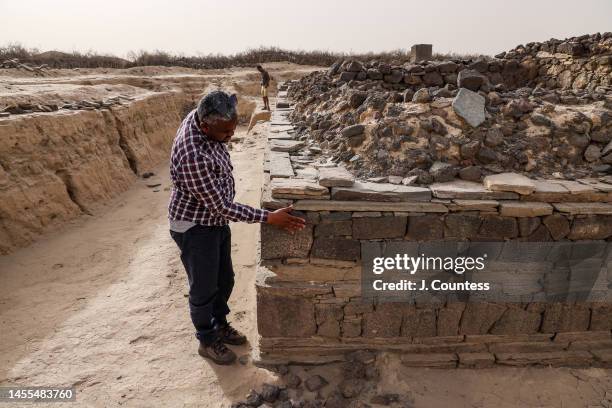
<point x="217" y="352"/>
<point x="229" y="335"/>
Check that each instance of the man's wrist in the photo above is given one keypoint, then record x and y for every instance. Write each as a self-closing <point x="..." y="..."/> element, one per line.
<point x="265" y="216"/>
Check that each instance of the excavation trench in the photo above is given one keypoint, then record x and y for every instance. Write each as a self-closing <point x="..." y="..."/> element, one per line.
<point x="59" y="165"/>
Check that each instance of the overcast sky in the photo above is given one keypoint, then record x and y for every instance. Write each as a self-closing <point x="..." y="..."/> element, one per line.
<point x="229" y="26"/>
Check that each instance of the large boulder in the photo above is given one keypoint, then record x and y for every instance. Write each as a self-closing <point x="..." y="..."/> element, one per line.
<point x="421" y="96"/>
<point x="353" y="130"/>
<point x="470" y="79"/>
<point x="470" y="106"/>
<point x="353" y="66"/>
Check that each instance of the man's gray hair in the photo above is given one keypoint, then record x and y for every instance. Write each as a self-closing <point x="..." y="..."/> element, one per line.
<point x="218" y="105"/>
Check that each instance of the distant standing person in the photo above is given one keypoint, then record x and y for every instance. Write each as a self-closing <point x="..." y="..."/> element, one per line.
<point x="265" y="83"/>
<point x="201" y="207"/>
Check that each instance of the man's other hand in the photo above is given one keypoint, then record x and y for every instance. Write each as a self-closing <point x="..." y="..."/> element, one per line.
<point x="282" y="219"/>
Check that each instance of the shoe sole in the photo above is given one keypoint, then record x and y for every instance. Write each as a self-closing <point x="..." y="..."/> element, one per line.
<point x="214" y="360"/>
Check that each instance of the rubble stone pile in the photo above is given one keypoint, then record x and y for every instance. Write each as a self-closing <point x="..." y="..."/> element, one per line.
<point x="542" y="109"/>
<point x="354" y="384"/>
<point x="15" y="64"/>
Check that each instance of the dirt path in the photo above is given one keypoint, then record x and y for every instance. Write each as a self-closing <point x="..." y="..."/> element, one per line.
<point x="101" y="305"/>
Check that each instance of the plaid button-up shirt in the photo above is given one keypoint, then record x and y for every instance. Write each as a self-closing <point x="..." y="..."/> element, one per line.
<point x="203" y="184"/>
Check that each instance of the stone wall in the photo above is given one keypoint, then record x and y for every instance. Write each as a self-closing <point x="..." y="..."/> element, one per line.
<point x="309" y="300"/>
<point x="576" y="62"/>
<point x="537" y="112"/>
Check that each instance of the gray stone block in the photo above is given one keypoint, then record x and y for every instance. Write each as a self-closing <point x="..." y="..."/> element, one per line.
<point x="516" y="320"/>
<point x="449" y="318"/>
<point x="427" y="227"/>
<point x="559" y="317"/>
<point x="384" y="321"/>
<point x="336" y="248"/>
<point x="328" y="317"/>
<point x="379" y="227"/>
<point x="421" y="52"/>
<point x="278" y="243"/>
<point x="334" y="228"/>
<point x="498" y="228"/>
<point x="418" y="322"/>
<point x="284" y="316"/>
<point x="557" y="225"/>
<point x="591" y="227"/>
<point x="478" y="318"/>
<point x="461" y="226"/>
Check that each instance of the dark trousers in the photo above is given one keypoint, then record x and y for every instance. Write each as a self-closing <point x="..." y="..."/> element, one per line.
<point x="206" y="256"/>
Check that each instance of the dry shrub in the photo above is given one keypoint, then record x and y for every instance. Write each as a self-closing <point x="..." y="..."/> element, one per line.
<point x="251" y="57"/>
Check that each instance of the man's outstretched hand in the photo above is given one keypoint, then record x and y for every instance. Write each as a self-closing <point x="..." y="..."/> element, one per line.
<point x="282" y="219"/>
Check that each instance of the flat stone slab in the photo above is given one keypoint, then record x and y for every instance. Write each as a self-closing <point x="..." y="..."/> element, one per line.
<point x="509" y="182"/>
<point x="473" y="205"/>
<point x="584" y="208"/>
<point x="469" y="190"/>
<point x="308" y="173"/>
<point x="380" y="192"/>
<point x="575" y="187"/>
<point x="281" y="135"/>
<point x="285" y="145"/>
<point x="581" y="192"/>
<point x="524" y="209"/>
<point x="335" y="177"/>
<point x="370" y="206"/>
<point x="598" y="185"/>
<point x="298" y="188"/>
<point x="548" y="191"/>
<point x="469" y="106"/>
<point x="270" y="203"/>
<point x="280" y="166"/>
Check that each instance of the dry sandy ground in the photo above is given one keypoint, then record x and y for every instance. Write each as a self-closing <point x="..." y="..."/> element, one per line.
<point x="101" y="305"/>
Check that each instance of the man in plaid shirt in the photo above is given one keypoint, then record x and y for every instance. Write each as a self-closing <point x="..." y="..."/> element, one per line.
<point x="201" y="206"/>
